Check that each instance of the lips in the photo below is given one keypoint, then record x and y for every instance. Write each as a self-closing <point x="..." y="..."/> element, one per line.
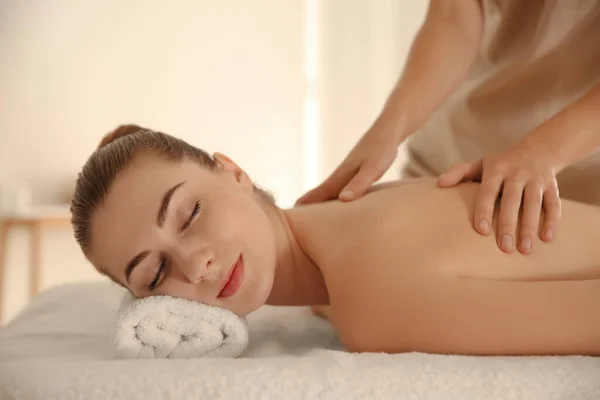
<point x="233" y="280"/>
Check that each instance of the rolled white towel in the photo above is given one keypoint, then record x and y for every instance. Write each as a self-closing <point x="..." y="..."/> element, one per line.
<point x="169" y="327"/>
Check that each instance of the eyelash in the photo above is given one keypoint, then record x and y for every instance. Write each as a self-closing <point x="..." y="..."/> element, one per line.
<point x="154" y="282"/>
<point x="163" y="263"/>
<point x="195" y="212"/>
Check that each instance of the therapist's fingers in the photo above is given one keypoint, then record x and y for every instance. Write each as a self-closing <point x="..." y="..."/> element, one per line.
<point x="530" y="217"/>
<point x="331" y="187"/>
<point x="453" y="175"/>
<point x="361" y="182"/>
<point x="460" y="173"/>
<point x="552" y="208"/>
<point x="485" y="202"/>
<point x="512" y="194"/>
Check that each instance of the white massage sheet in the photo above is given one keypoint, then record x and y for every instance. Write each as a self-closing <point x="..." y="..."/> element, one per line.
<point x="60" y="348"/>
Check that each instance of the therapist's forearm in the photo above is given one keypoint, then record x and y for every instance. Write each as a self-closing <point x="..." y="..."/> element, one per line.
<point x="441" y="55"/>
<point x="572" y="134"/>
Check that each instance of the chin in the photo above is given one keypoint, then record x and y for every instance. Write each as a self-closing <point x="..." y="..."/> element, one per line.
<point x="255" y="293"/>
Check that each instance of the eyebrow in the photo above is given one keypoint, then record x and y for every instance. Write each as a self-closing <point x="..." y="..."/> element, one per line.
<point x="134" y="263"/>
<point x="160" y="220"/>
<point x="164" y="205"/>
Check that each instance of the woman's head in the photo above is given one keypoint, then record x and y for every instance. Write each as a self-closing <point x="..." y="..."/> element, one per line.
<point x="160" y="216"/>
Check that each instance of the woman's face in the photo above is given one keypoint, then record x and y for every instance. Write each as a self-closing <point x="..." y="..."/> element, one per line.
<point x="181" y="230"/>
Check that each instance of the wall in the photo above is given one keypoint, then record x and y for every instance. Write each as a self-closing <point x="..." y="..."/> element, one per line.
<point x="365" y="45"/>
<point x="225" y="75"/>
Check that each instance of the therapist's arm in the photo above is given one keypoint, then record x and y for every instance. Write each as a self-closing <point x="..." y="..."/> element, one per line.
<point x="440" y="57"/>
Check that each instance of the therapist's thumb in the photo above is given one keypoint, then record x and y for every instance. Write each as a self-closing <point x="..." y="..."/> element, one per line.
<point x="359" y="184"/>
<point x="328" y="190"/>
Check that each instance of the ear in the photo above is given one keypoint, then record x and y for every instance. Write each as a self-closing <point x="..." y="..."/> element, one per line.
<point x="227" y="165"/>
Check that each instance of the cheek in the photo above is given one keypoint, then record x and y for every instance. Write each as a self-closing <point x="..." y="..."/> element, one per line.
<point x="242" y="221"/>
<point x="259" y="235"/>
<point x="240" y="224"/>
<point x="258" y="244"/>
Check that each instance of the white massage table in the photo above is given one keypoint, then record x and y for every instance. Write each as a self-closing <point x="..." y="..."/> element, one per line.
<point x="59" y="348"/>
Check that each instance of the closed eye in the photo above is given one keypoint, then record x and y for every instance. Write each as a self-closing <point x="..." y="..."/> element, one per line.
<point x="157" y="279"/>
<point x="193" y="215"/>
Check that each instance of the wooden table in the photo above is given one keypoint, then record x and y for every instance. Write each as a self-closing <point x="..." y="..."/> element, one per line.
<point x="35" y="221"/>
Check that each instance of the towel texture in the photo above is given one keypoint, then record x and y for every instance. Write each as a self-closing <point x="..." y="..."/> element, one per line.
<point x="168" y="327"/>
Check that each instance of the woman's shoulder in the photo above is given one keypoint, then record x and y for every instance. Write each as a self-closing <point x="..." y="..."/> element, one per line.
<point x="402" y="182"/>
<point x="422" y="189"/>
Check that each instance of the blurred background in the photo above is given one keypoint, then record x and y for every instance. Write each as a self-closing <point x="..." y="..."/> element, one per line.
<point x="285" y="88"/>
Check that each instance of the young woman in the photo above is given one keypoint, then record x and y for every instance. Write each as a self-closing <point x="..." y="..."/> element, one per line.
<point x="401" y="268"/>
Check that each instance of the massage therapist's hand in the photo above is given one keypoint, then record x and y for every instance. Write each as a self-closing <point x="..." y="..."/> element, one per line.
<point x="525" y="177"/>
<point x="366" y="163"/>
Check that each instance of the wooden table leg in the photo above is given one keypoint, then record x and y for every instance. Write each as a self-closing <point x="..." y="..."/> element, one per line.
<point x="4" y="228"/>
<point x="35" y="259"/>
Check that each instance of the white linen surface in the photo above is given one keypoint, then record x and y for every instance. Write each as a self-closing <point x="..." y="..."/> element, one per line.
<point x="61" y="347"/>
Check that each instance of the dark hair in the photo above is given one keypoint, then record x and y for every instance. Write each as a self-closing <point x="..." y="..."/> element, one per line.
<point x="115" y="152"/>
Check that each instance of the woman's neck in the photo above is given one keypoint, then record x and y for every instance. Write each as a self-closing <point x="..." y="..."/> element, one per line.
<point x="298" y="280"/>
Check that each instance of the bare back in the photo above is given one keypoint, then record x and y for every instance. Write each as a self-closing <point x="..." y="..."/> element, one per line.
<point x="406" y="271"/>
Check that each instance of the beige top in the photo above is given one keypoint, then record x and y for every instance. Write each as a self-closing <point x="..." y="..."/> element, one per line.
<point x="537" y="57"/>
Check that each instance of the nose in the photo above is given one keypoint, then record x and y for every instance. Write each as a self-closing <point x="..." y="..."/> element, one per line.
<point x="194" y="264"/>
